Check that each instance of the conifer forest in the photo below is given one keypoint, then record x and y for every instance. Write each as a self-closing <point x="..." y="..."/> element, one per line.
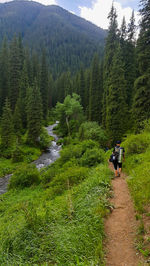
<point x="67" y="95"/>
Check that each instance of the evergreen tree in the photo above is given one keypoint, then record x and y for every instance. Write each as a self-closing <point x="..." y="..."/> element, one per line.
<point x="82" y="87"/>
<point x="63" y="86"/>
<point x="4" y="74"/>
<point x="130" y="60"/>
<point x="21" y="52"/>
<point x="15" y="71"/>
<point x="36" y="68"/>
<point x="50" y="90"/>
<point x="87" y="91"/>
<point x="141" y="103"/>
<point x="132" y="28"/>
<point x="123" y="30"/>
<point x="7" y="129"/>
<point x="29" y="66"/>
<point x="110" y="49"/>
<point x="95" y="91"/>
<point x="17" y="120"/>
<point x="34" y="113"/>
<point x="24" y="84"/>
<point x="141" y="100"/>
<point x="44" y="85"/>
<point x="116" y="119"/>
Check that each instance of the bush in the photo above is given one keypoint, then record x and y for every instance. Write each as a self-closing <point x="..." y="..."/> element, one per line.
<point x="25" y="177"/>
<point x="17" y="155"/>
<point x="45" y="139"/>
<point x="63" y="181"/>
<point x="6" y="153"/>
<point x="49" y="174"/>
<point x="92" y="157"/>
<point x="70" y="152"/>
<point x="76" y="151"/>
<point x="136" y="144"/>
<point x="91" y="130"/>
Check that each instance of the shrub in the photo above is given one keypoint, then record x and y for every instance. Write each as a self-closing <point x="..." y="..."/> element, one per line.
<point x="136" y="144"/>
<point x="76" y="151"/>
<point x="17" y="155"/>
<point x="45" y="139"/>
<point x="68" y="178"/>
<point x="70" y="152"/>
<point x="91" y="130"/>
<point x="92" y="157"/>
<point x="25" y="177"/>
<point x="52" y="171"/>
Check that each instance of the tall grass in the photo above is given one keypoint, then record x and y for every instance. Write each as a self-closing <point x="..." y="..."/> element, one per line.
<point x="65" y="230"/>
<point x="137" y="166"/>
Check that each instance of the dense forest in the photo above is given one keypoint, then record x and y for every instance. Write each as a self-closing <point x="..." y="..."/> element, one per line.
<point x="110" y="89"/>
<point x="96" y="103"/>
<point x="69" y="40"/>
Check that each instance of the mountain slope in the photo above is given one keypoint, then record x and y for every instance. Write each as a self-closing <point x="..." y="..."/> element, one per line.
<point x="69" y="40"/>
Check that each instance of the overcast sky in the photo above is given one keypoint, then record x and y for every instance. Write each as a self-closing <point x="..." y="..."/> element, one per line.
<point x="96" y="11"/>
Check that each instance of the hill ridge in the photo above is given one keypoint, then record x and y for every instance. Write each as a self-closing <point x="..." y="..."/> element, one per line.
<point x="69" y="40"/>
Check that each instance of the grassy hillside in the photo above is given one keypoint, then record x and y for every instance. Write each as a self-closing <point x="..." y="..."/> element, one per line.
<point x="137" y="166"/>
<point x="59" y="220"/>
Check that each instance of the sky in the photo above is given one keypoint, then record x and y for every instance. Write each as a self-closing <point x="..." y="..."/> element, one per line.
<point x="96" y="11"/>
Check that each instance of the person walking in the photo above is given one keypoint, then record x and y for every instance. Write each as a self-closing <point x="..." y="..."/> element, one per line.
<point x="118" y="156"/>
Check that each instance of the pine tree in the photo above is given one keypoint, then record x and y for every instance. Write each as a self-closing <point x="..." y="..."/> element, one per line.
<point x="116" y="119"/>
<point x="110" y="49"/>
<point x="123" y="30"/>
<point x="29" y="66"/>
<point x="87" y="91"/>
<point x="141" y="100"/>
<point x="15" y="71"/>
<point x="63" y="86"/>
<point x="95" y="91"/>
<point x="21" y="52"/>
<point x="4" y="74"/>
<point x="50" y="90"/>
<point x="34" y="113"/>
<point x="7" y="129"/>
<point x="36" y="68"/>
<point x="130" y="60"/>
<point x="17" y="120"/>
<point x="24" y="84"/>
<point x="82" y="87"/>
<point x="44" y="85"/>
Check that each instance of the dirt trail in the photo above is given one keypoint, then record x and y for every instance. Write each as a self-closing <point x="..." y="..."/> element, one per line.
<point x="120" y="227"/>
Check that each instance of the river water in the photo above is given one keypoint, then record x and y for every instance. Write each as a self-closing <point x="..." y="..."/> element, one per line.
<point x="47" y="158"/>
<point x="52" y="153"/>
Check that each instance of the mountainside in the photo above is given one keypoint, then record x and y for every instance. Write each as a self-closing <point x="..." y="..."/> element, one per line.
<point x="69" y="39"/>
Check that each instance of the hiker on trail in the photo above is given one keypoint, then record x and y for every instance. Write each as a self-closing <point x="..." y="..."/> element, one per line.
<point x="117" y="157"/>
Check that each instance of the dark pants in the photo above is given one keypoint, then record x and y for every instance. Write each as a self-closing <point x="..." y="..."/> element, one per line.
<point x="116" y="164"/>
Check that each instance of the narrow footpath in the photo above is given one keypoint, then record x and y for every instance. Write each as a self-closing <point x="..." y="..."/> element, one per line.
<point x="120" y="227"/>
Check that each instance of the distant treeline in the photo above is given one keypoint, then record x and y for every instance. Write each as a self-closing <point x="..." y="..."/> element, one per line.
<point x="114" y="91"/>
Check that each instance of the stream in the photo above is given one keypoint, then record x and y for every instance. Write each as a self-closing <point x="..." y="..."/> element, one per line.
<point x="47" y="158"/>
<point x="52" y="153"/>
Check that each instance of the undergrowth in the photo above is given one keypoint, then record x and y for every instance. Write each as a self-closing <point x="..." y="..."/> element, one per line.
<point x="137" y="166"/>
<point x="38" y="229"/>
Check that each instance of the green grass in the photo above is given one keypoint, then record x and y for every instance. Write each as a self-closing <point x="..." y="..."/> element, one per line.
<point x="137" y="166"/>
<point x="29" y="154"/>
<point x="63" y="230"/>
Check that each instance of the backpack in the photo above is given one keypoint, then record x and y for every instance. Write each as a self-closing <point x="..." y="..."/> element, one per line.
<point x="111" y="159"/>
<point x="116" y="152"/>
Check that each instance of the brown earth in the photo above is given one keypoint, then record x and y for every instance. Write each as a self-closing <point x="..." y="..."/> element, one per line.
<point x="120" y="227"/>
